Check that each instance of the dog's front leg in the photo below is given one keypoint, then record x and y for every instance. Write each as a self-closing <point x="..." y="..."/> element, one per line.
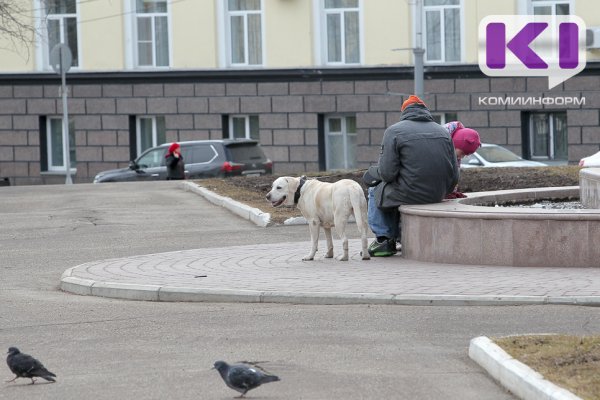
<point x="313" y="227"/>
<point x="329" y="242"/>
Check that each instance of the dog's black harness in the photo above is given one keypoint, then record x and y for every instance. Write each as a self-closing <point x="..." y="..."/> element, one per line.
<point x="297" y="194"/>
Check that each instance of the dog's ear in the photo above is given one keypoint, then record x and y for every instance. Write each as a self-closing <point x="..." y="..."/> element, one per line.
<point x="293" y="184"/>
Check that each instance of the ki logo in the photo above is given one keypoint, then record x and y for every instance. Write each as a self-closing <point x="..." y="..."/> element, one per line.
<point x="532" y="45"/>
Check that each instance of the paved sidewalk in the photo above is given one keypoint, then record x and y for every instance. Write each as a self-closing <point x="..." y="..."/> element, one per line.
<point x="275" y="273"/>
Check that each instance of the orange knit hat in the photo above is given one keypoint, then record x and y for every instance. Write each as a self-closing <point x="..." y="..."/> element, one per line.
<point x="412" y="99"/>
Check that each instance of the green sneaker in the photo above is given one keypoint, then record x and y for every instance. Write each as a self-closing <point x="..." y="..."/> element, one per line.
<point x="382" y="249"/>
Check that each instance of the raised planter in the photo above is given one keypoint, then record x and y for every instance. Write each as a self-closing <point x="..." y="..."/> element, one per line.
<point x="464" y="232"/>
<point x="589" y="187"/>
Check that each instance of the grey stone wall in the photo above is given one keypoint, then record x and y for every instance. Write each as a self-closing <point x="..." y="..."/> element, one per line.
<point x="288" y="116"/>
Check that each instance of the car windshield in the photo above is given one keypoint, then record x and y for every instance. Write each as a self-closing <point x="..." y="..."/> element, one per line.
<point x="250" y="153"/>
<point x="152" y="159"/>
<point x="496" y="154"/>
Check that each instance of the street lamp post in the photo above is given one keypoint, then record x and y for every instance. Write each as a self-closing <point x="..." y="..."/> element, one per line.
<point x="418" y="50"/>
<point x="60" y="60"/>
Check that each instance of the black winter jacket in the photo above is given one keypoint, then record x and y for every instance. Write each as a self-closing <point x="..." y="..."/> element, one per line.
<point x="175" y="167"/>
<point x="417" y="163"/>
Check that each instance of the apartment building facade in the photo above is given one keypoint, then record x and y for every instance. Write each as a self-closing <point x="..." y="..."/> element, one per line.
<point x="315" y="81"/>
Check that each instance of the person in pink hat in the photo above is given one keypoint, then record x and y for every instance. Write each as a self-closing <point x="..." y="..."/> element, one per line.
<point x="466" y="141"/>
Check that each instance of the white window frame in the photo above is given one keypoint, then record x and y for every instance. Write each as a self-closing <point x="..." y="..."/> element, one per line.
<point x="532" y="4"/>
<point x="544" y="3"/>
<point x="42" y="49"/>
<point x="58" y="168"/>
<point x="246" y="125"/>
<point x="138" y="134"/>
<point x="344" y="133"/>
<point x="131" y="35"/>
<point x="462" y="24"/>
<point x="443" y="117"/>
<point x="321" y="33"/>
<point x="227" y="34"/>
<point x="551" y="135"/>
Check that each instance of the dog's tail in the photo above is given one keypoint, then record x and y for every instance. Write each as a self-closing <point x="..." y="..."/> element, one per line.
<point x="359" y="205"/>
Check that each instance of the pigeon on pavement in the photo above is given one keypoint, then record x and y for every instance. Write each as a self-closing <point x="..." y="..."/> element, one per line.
<point x="25" y="366"/>
<point x="243" y="377"/>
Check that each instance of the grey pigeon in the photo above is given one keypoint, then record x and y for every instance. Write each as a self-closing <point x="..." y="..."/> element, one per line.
<point x="25" y="366"/>
<point x="243" y="377"/>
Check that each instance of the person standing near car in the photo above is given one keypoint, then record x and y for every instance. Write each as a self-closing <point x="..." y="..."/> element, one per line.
<point x="417" y="165"/>
<point x="175" y="164"/>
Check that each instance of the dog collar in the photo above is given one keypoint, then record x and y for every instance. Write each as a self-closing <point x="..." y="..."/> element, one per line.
<point x="297" y="194"/>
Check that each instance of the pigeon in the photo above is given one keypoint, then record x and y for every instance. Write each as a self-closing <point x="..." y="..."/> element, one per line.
<point x="243" y="377"/>
<point x="25" y="366"/>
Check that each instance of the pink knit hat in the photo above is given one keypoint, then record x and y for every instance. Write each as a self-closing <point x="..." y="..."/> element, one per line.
<point x="466" y="139"/>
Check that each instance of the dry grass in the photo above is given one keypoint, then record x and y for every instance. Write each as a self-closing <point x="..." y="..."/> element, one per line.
<point x="571" y="362"/>
<point x="252" y="190"/>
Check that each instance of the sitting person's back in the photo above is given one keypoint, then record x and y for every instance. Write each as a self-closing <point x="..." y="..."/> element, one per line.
<point x="417" y="161"/>
<point x="417" y="165"/>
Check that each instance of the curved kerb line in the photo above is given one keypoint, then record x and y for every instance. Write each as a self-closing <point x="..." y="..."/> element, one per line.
<point x="172" y="293"/>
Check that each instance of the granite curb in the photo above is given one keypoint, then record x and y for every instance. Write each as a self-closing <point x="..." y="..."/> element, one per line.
<point x="132" y="291"/>
<point x="518" y="378"/>
<point x="253" y="214"/>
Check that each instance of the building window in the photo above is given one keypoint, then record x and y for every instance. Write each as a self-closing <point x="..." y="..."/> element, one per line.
<point x="444" y="118"/>
<point x="243" y="127"/>
<point x="548" y="136"/>
<point x="550" y="7"/>
<point x="61" y="23"/>
<point x="244" y="19"/>
<point x="150" y="132"/>
<point x="340" y="142"/>
<point x="342" y="27"/>
<point x="55" y="151"/>
<point x="152" y="33"/>
<point x="441" y="19"/>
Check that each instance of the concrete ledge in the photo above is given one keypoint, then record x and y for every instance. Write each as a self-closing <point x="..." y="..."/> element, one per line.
<point x="515" y="376"/>
<point x="464" y="232"/>
<point x="208" y="295"/>
<point x="127" y="291"/>
<point x="589" y="187"/>
<point x="169" y="293"/>
<point x="331" y="298"/>
<point x="82" y="287"/>
<point x="464" y="300"/>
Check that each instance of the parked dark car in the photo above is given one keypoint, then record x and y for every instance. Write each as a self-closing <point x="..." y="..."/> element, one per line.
<point x="202" y="158"/>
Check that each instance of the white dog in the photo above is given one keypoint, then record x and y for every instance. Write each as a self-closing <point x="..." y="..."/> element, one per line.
<point x="327" y="205"/>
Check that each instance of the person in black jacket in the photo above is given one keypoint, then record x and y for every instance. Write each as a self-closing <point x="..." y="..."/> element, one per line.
<point x="417" y="165"/>
<point x="175" y="164"/>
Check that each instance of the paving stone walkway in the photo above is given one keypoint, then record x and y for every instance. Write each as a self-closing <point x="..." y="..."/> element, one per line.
<point x="275" y="273"/>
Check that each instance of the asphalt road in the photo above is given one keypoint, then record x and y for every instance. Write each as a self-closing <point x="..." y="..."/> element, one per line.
<point x="112" y="349"/>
